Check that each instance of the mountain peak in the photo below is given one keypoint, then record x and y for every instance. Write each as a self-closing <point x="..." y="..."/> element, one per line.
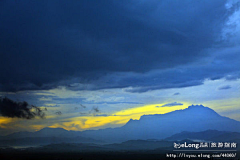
<point x="198" y="107"/>
<point x="193" y="110"/>
<point x="200" y="118"/>
<point x="201" y="110"/>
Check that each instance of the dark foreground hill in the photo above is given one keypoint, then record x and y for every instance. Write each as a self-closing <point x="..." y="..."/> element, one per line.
<point x="208" y="135"/>
<point x="129" y="150"/>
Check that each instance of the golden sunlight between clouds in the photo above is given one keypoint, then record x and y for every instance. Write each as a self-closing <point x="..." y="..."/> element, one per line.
<point x="116" y="119"/>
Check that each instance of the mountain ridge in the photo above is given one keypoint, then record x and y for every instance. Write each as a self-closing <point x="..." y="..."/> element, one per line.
<point x="159" y="126"/>
<point x="195" y="118"/>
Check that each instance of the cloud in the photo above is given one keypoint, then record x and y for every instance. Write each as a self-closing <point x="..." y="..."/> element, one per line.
<point x="53" y="105"/>
<point x="231" y="31"/>
<point x="224" y="87"/>
<point x="61" y="51"/>
<point x="12" y="109"/>
<point x="83" y="106"/>
<point x="101" y="115"/>
<point x="58" y="113"/>
<point x="171" y="104"/>
<point x="45" y="99"/>
<point x="95" y="109"/>
<point x="82" y="113"/>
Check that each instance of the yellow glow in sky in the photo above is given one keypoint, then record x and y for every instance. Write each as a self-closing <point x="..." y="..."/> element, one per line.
<point x="4" y="121"/>
<point x="117" y="118"/>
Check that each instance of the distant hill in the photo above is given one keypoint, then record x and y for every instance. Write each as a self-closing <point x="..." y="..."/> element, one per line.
<point x="36" y="141"/>
<point x="139" y="145"/>
<point x="209" y="135"/>
<point x="43" y="137"/>
<point x="45" y="132"/>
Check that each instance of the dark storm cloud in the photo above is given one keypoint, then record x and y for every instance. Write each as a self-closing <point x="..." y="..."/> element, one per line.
<point x="213" y="68"/>
<point x="44" y="44"/>
<point x="12" y="109"/>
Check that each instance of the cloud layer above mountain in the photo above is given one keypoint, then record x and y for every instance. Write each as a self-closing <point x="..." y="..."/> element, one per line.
<point x="145" y="45"/>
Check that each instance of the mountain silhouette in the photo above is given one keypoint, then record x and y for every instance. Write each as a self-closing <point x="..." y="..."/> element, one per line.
<point x="195" y="118"/>
<point x="43" y="137"/>
<point x="45" y="132"/>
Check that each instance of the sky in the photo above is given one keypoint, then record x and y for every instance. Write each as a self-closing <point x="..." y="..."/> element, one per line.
<point x="83" y="65"/>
